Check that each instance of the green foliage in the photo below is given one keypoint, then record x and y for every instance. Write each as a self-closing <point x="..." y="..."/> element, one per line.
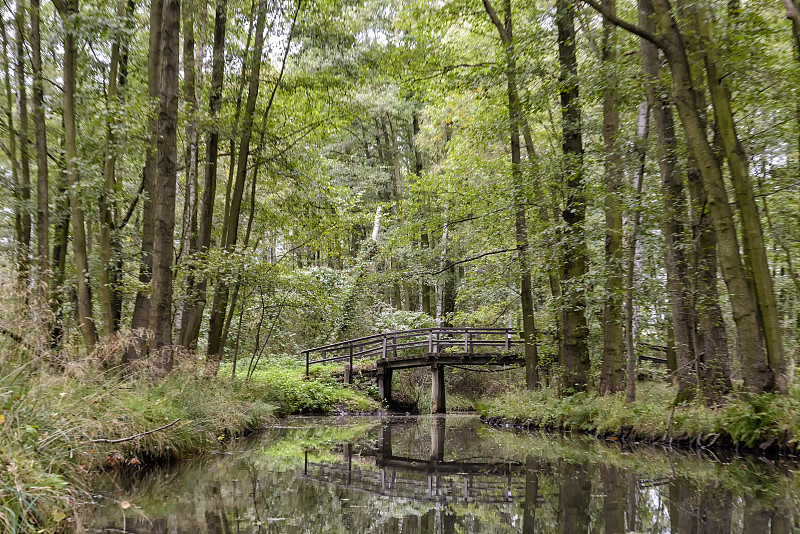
<point x="282" y="383"/>
<point x="763" y="419"/>
<point x="748" y="420"/>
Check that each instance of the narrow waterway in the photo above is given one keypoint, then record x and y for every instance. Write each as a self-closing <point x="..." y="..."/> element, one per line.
<point x="448" y="474"/>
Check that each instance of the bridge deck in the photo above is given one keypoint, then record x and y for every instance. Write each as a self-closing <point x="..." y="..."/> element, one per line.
<point x="425" y="347"/>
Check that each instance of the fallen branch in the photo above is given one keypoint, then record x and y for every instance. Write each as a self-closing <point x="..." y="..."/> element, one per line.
<point x="136" y="436"/>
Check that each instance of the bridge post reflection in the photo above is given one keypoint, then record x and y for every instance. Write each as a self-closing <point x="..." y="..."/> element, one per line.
<point x="430" y="477"/>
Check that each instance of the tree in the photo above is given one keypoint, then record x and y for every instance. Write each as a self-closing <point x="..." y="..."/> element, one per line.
<point x="163" y="248"/>
<point x="576" y="350"/>
<point x="505" y="29"/>
<point x="759" y="341"/>
<point x="140" y="319"/>
<point x="42" y="178"/>
<point x="68" y="9"/>
<point x="196" y="288"/>
<point x="611" y="377"/>
<point x="231" y="222"/>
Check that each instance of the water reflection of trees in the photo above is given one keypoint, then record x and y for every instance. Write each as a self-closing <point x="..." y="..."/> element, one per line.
<point x="562" y="486"/>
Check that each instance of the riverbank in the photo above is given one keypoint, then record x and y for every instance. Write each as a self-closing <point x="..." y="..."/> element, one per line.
<point x="59" y="427"/>
<point x="765" y="424"/>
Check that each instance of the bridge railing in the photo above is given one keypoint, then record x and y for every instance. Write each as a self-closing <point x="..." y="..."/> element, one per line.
<point x="398" y="344"/>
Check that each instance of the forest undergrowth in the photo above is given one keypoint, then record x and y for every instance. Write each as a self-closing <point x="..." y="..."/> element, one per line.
<point x="62" y="423"/>
<point x="765" y="423"/>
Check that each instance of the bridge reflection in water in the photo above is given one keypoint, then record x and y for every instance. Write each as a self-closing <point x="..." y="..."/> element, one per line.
<point x="431" y="479"/>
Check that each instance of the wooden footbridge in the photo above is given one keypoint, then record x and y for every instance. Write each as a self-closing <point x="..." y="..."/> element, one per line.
<point x="424" y="347"/>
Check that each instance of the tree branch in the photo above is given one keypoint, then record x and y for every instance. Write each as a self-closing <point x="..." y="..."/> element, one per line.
<point x="479" y="256"/>
<point x="132" y="207"/>
<point x="496" y="20"/>
<point x="793" y="14"/>
<point x="61" y="7"/>
<point x="135" y="436"/>
<point x="627" y="26"/>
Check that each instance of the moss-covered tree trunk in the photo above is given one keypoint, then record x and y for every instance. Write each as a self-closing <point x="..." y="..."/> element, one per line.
<point x="575" y="260"/>
<point x="675" y="213"/>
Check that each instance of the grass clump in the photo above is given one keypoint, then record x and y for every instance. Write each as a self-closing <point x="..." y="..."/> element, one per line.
<point x="57" y="430"/>
<point x="744" y="420"/>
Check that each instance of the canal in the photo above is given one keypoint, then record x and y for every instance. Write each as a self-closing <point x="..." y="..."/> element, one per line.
<point x="445" y="474"/>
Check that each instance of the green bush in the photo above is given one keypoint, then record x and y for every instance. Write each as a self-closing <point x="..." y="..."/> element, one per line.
<point x="282" y="382"/>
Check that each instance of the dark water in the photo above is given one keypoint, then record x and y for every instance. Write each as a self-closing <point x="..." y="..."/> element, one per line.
<point x="446" y="475"/>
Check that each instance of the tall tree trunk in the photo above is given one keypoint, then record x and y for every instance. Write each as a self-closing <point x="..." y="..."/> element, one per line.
<point x="12" y="146"/>
<point x="219" y="307"/>
<point x="116" y="241"/>
<point x="167" y="175"/>
<point x="188" y="242"/>
<point x="675" y="212"/>
<point x="544" y="216"/>
<point x="24" y="144"/>
<point x="140" y="320"/>
<point x="642" y="130"/>
<point x="196" y="299"/>
<point x="574" y="338"/>
<point x="107" y="202"/>
<point x="42" y="180"/>
<point x="398" y="198"/>
<point x="740" y="290"/>
<point x="234" y="130"/>
<point x="505" y="29"/>
<point x="79" y="248"/>
<point x="612" y="374"/>
<point x="424" y="239"/>
<point x="393" y="161"/>
<point x="715" y="365"/>
<point x="254" y="180"/>
<point x="755" y="254"/>
<point x="191" y="158"/>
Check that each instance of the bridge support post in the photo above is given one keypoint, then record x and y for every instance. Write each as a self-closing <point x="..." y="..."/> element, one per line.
<point x="437" y="388"/>
<point x="437" y="439"/>
<point x="385" y="384"/>
<point x="385" y="441"/>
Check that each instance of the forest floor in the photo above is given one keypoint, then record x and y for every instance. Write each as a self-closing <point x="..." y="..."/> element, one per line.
<point x="60" y="427"/>
<point x="762" y="424"/>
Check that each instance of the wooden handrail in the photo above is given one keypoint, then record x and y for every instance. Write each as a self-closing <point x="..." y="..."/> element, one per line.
<point x="382" y="345"/>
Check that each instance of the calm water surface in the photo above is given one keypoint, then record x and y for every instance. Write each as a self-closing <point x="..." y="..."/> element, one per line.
<point x="445" y="475"/>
